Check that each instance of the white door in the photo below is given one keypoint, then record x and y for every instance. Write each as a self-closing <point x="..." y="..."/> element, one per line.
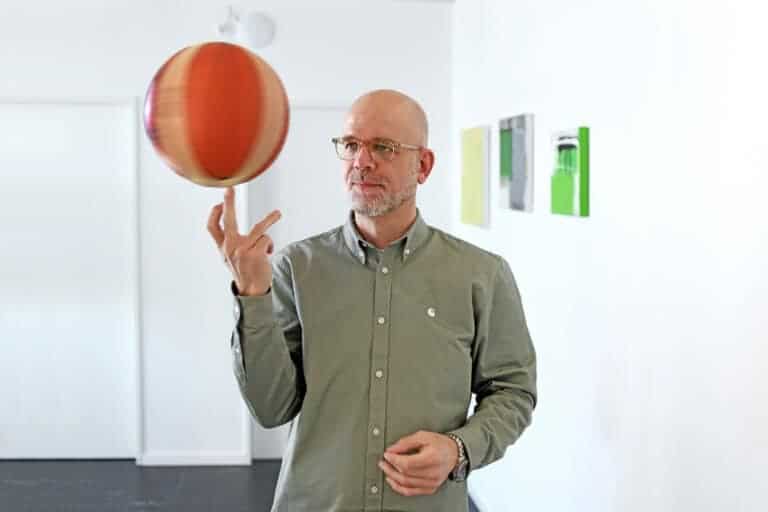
<point x="306" y="184"/>
<point x="68" y="274"/>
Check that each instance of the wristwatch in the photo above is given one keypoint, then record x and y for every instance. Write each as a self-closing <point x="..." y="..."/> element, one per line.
<point x="459" y="472"/>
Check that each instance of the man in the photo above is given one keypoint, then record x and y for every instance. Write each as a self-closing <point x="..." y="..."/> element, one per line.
<point x="372" y="337"/>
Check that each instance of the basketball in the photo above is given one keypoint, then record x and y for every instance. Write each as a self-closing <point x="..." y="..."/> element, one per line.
<point x="217" y="114"/>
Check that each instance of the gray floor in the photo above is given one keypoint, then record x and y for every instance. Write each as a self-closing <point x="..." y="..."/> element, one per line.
<point x="120" y="485"/>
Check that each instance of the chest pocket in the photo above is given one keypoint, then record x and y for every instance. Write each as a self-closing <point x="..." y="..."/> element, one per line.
<point x="436" y="320"/>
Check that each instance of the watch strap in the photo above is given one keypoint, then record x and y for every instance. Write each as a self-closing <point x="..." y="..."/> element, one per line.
<point x="460" y="468"/>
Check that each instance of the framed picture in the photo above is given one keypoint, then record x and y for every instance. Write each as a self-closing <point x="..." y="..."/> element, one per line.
<point x="516" y="162"/>
<point x="570" y="176"/>
<point x="474" y="175"/>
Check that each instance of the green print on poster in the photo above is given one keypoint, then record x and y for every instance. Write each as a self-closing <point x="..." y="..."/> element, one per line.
<point x="516" y="162"/>
<point x="570" y="177"/>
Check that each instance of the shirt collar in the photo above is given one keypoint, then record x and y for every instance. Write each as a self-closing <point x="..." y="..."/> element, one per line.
<point x="414" y="238"/>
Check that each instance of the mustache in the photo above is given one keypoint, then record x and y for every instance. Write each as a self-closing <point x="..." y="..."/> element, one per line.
<point x="356" y="177"/>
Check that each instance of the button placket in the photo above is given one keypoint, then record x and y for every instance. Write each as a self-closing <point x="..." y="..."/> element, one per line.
<point x="374" y="477"/>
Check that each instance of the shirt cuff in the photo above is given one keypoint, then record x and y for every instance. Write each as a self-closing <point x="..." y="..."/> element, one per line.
<point x="252" y="311"/>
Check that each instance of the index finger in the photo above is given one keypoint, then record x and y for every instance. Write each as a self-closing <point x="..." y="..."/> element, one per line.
<point x="261" y="227"/>
<point x="409" y="463"/>
<point x="230" y="219"/>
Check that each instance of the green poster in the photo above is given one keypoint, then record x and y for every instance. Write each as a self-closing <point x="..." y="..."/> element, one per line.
<point x="570" y="176"/>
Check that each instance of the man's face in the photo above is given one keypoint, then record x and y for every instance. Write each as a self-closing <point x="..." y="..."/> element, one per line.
<point x="376" y="186"/>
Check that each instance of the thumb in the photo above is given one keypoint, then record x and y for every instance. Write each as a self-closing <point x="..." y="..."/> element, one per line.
<point x="407" y="444"/>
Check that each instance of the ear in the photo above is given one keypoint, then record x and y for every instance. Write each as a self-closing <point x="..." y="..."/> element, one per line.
<point x="426" y="163"/>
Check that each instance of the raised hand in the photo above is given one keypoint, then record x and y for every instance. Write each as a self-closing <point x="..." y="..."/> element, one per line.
<point x="246" y="256"/>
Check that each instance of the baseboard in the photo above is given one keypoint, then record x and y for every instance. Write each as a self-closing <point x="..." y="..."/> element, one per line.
<point x="194" y="459"/>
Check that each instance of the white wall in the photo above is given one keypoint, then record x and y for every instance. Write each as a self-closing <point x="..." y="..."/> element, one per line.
<point x="648" y="317"/>
<point x="68" y="280"/>
<point x="326" y="56"/>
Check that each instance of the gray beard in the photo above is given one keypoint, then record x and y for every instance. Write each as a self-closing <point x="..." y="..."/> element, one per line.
<point x="384" y="205"/>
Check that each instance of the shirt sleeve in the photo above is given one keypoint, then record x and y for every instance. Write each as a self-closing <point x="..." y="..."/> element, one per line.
<point x="503" y="373"/>
<point x="267" y="352"/>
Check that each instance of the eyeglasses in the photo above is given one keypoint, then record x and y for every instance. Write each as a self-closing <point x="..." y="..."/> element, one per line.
<point x="382" y="149"/>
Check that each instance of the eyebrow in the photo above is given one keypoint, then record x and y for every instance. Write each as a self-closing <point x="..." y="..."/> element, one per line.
<point x="378" y="139"/>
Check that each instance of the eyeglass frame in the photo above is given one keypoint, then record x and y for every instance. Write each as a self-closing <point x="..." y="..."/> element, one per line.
<point x="397" y="145"/>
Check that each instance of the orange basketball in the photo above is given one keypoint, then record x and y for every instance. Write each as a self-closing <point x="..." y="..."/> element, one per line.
<point x="217" y="114"/>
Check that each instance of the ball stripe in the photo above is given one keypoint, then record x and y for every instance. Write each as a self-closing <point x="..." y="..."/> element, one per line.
<point x="173" y="118"/>
<point x="150" y="106"/>
<point x="276" y="122"/>
<point x="224" y="104"/>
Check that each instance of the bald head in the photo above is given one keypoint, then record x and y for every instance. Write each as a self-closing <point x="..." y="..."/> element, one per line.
<point x="396" y="115"/>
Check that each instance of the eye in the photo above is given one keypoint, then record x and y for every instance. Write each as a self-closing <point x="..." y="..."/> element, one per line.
<point x="351" y="146"/>
<point x="383" y="148"/>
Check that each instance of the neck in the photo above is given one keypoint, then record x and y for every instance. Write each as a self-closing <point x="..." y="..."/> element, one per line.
<point x="384" y="229"/>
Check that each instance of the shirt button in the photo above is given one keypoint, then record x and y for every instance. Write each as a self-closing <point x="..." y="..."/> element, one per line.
<point x="376" y="431"/>
<point x="374" y="489"/>
<point x="431" y="312"/>
<point x="379" y="374"/>
<point x="385" y="270"/>
<point x="380" y="320"/>
<point x="407" y="252"/>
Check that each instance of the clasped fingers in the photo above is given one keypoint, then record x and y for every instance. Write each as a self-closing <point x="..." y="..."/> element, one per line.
<point x="407" y="484"/>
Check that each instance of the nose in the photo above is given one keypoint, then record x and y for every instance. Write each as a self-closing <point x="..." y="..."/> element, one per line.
<point x="364" y="158"/>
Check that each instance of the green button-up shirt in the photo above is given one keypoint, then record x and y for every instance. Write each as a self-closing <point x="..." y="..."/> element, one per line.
<point x="359" y="347"/>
